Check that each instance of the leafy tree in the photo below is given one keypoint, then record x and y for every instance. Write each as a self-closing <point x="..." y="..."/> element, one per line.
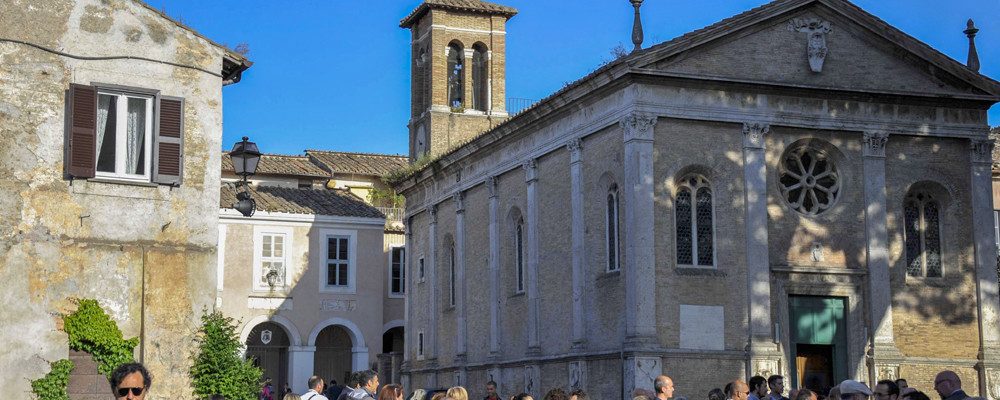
<point x="218" y="366"/>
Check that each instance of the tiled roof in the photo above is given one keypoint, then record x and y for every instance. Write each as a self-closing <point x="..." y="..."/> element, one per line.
<point x="335" y="202"/>
<point x="476" y="6"/>
<point x="358" y="163"/>
<point x="276" y="164"/>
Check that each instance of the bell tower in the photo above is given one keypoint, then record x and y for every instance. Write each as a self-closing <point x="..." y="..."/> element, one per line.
<point x="457" y="64"/>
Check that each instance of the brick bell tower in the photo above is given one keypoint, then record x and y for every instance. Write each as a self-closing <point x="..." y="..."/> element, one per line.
<point x="457" y="64"/>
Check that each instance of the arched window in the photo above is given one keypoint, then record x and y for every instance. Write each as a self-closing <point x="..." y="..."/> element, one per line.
<point x="420" y="79"/>
<point x="451" y="263"/>
<point x="456" y="82"/>
<point x="695" y="230"/>
<point x="519" y="254"/>
<point x="480" y="78"/>
<point x="611" y="229"/>
<point x="922" y="235"/>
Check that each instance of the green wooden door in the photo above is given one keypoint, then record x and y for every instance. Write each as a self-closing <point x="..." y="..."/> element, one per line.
<point x="819" y="321"/>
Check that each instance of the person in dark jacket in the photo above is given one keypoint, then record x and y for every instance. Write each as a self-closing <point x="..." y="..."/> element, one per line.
<point x="949" y="386"/>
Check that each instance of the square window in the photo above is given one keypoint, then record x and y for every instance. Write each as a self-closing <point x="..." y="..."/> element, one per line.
<point x="124" y="135"/>
<point x="270" y="259"/>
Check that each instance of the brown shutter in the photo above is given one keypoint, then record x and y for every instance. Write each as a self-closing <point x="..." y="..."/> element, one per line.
<point x="168" y="149"/>
<point x="81" y="155"/>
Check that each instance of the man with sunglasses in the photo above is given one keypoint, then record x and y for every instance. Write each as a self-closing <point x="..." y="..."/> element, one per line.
<point x="130" y="381"/>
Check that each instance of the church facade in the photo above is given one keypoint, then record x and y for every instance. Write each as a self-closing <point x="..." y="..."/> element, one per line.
<point x="799" y="190"/>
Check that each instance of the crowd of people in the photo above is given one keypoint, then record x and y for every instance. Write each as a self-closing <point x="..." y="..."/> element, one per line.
<point x="132" y="382"/>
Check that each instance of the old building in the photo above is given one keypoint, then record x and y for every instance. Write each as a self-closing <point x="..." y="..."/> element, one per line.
<point x="800" y="189"/>
<point x="110" y="125"/>
<point x="334" y="303"/>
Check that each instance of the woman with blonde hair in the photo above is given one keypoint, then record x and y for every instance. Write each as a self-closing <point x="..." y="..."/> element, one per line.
<point x="458" y="393"/>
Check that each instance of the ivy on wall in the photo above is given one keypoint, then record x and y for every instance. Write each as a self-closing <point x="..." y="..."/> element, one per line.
<point x="90" y="329"/>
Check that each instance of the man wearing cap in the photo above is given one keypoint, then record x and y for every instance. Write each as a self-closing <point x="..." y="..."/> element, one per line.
<point x="854" y="390"/>
<point x="949" y="386"/>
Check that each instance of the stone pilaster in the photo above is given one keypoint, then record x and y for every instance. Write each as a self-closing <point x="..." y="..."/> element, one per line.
<point x="531" y="179"/>
<point x="533" y="380"/>
<point x="494" y="233"/>
<point x="639" y="268"/>
<point x="764" y="354"/>
<point x="988" y="299"/>
<point x="408" y="334"/>
<point x="885" y="356"/>
<point x="578" y="237"/>
<point x="577" y="375"/>
<point x="430" y="339"/>
<point x="460" y="329"/>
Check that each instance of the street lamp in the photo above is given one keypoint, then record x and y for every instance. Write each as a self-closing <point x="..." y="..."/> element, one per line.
<point x="245" y="156"/>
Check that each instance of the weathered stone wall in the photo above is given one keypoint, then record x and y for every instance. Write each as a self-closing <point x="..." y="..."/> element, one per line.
<point x="146" y="253"/>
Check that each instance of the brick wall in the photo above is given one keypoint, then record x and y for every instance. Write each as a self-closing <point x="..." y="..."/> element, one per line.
<point x="85" y="383"/>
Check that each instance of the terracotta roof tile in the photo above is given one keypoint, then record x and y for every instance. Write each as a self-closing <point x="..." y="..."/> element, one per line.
<point x="357" y="163"/>
<point x="477" y="6"/>
<point x="276" y="164"/>
<point x="335" y="202"/>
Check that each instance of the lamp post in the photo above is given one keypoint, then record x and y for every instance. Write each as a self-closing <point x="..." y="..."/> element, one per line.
<point x="245" y="156"/>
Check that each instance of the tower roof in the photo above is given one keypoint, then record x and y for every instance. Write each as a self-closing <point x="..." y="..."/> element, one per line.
<point x="475" y="6"/>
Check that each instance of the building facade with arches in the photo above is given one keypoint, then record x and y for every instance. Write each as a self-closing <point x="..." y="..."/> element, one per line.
<point x="800" y="190"/>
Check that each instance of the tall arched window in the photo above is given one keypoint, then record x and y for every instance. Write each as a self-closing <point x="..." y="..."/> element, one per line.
<point x="456" y="81"/>
<point x="420" y="77"/>
<point x="695" y="229"/>
<point x="922" y="235"/>
<point x="451" y="262"/>
<point x="611" y="229"/>
<point x="480" y="77"/>
<point x="519" y="254"/>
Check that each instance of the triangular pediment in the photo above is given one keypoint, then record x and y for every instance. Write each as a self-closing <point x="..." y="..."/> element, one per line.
<point x="781" y="43"/>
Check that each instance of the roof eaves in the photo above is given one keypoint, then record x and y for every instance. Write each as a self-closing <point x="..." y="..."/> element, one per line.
<point x="426" y="6"/>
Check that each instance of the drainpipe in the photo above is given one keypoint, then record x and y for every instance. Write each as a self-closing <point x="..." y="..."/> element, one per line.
<point x="142" y="309"/>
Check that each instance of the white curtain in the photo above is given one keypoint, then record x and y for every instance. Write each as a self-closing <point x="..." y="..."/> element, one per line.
<point x="135" y="134"/>
<point x="103" y="105"/>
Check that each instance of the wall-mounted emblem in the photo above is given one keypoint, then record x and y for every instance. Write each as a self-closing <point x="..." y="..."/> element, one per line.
<point x="265" y="336"/>
<point x="815" y="30"/>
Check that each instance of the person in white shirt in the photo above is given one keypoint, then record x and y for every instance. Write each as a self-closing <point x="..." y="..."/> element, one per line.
<point x="315" y="388"/>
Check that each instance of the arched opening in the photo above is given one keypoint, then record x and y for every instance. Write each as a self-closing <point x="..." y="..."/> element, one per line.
<point x="480" y="77"/>
<point x="333" y="357"/>
<point x="267" y="345"/>
<point x="391" y="359"/>
<point x="456" y="75"/>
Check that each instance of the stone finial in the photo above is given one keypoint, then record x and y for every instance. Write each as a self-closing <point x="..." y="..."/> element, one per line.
<point x="636" y="26"/>
<point x="971" y="31"/>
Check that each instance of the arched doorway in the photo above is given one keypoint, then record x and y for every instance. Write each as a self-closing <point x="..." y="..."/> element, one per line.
<point x="267" y="345"/>
<point x="391" y="358"/>
<point x="333" y="357"/>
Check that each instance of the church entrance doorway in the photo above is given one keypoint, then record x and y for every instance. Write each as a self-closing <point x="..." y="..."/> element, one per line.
<point x="333" y="355"/>
<point x="818" y="334"/>
<point x="267" y="346"/>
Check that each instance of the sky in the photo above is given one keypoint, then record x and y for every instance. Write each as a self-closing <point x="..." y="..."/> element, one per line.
<point x="334" y="74"/>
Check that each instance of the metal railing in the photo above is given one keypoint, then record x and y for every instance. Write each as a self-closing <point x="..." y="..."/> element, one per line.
<point x="393" y="215"/>
<point x="516" y="104"/>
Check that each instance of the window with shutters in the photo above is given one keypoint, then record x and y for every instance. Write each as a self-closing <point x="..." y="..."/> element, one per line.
<point x="695" y="229"/>
<point x="271" y="246"/>
<point x="124" y="135"/>
<point x="611" y="231"/>
<point x="922" y="235"/>
<point x="456" y="75"/>
<point x="397" y="272"/>
<point x="339" y="268"/>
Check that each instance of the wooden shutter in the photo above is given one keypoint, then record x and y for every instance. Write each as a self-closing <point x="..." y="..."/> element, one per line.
<point x="168" y="148"/>
<point x="81" y="154"/>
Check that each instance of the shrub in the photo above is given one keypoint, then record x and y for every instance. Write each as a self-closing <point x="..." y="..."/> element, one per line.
<point x="218" y="366"/>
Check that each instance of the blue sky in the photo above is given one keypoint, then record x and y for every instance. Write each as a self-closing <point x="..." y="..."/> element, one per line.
<point x="334" y="74"/>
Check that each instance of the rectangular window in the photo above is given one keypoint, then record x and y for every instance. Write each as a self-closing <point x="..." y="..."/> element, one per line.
<point x="451" y="260"/>
<point x="420" y="344"/>
<point x="519" y="243"/>
<point x="124" y="135"/>
<point x="272" y="261"/>
<point x="337" y="261"/>
<point x="420" y="268"/>
<point x="397" y="280"/>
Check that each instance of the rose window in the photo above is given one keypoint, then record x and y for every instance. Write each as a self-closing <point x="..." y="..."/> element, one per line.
<point x="809" y="181"/>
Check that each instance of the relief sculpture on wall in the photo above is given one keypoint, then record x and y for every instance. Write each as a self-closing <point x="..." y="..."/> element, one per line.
<point x="816" y="30"/>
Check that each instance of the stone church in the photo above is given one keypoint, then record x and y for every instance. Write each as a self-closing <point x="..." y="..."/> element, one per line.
<point x="800" y="189"/>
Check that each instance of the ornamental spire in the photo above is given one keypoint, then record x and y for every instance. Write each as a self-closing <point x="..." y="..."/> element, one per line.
<point x="971" y="31"/>
<point x="636" y="26"/>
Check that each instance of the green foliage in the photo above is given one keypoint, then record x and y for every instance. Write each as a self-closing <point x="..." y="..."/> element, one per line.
<point x="218" y="366"/>
<point x="53" y="385"/>
<point x="385" y="198"/>
<point x="91" y="330"/>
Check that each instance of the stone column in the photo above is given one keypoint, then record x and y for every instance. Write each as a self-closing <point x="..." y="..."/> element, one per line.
<point x="531" y="178"/>
<point x="491" y="185"/>
<point x="884" y="354"/>
<point x="460" y="333"/>
<point x="430" y="339"/>
<point x="576" y="205"/>
<point x="764" y="355"/>
<point x="639" y="268"/>
<point x="409" y="336"/>
<point x="359" y="359"/>
<point x="986" y="267"/>
<point x="300" y="367"/>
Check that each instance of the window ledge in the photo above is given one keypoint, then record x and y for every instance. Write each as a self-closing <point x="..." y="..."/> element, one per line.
<point x="516" y="294"/>
<point x="397" y="296"/>
<point x="609" y="275"/>
<point x="936" y="281"/>
<point x="690" y="270"/>
<point x="338" y="290"/>
<point x="113" y="181"/>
